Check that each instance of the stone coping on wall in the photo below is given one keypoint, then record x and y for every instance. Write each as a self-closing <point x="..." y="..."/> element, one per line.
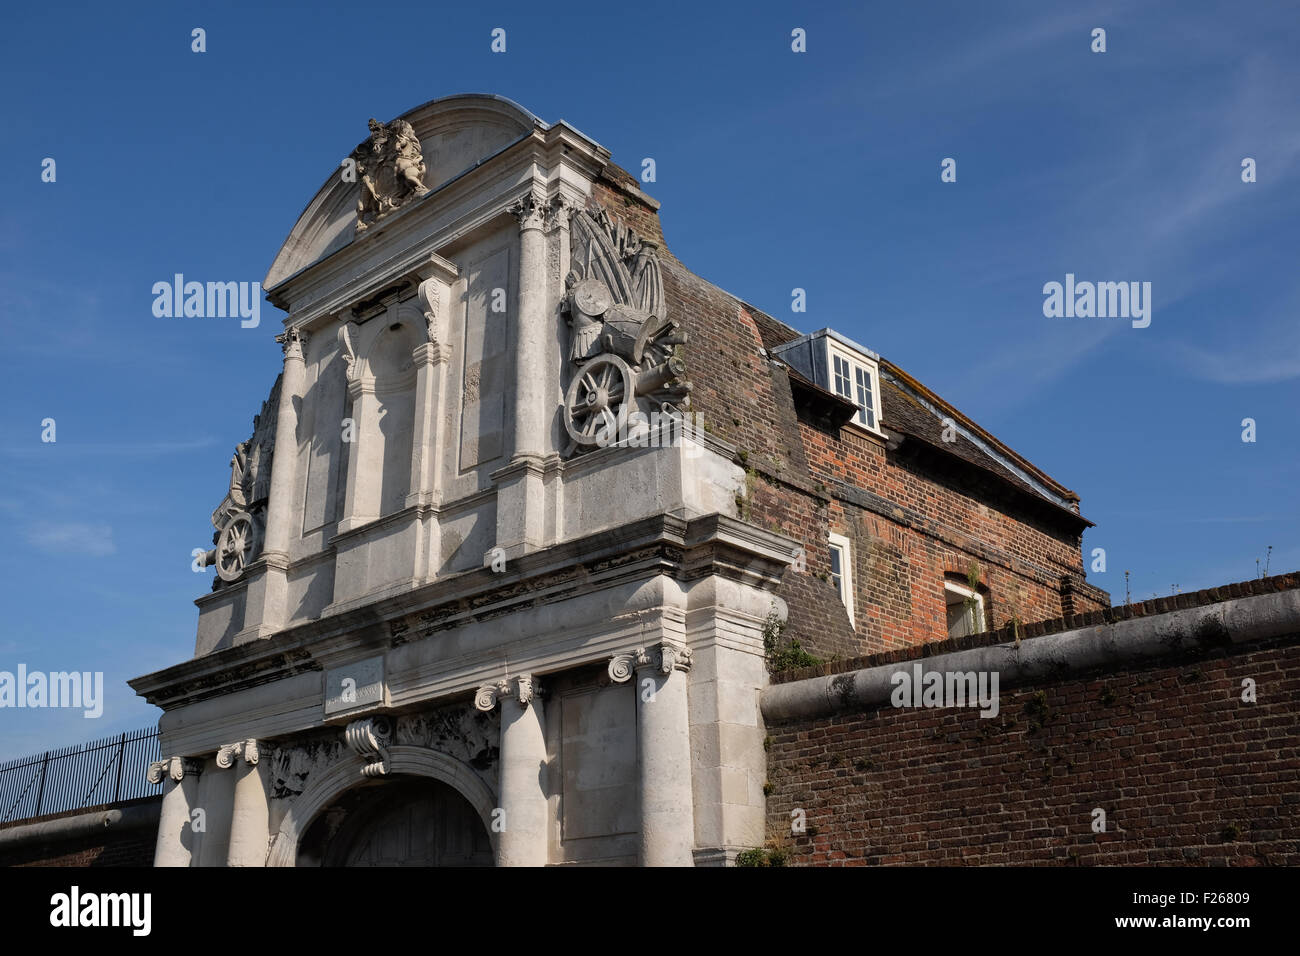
<point x="1111" y="615"/>
<point x="82" y="811"/>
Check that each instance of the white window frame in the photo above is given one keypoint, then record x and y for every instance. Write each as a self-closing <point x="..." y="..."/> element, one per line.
<point x="846" y="571"/>
<point x="966" y="593"/>
<point x="856" y="361"/>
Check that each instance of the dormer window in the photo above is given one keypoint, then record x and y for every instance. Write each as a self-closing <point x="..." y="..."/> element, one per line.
<point x="857" y="379"/>
<point x="839" y="365"/>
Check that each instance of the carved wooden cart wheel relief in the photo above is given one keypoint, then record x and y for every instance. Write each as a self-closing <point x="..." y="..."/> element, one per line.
<point x="235" y="546"/>
<point x="599" y="399"/>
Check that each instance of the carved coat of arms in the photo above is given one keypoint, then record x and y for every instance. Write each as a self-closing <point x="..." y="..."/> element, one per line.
<point x="390" y="169"/>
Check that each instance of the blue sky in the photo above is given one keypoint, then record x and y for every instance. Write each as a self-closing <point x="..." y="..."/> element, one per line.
<point x="776" y="170"/>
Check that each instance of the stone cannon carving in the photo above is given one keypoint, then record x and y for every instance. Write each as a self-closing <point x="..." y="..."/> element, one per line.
<point x="625" y="346"/>
<point x="240" y="519"/>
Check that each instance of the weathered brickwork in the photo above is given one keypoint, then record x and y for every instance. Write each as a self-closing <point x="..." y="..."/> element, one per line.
<point x="1186" y="772"/>
<point x="913" y="515"/>
<point x="111" y="847"/>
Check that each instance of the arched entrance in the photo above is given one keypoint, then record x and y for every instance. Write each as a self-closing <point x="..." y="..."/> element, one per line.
<point x="404" y="821"/>
<point x="342" y="787"/>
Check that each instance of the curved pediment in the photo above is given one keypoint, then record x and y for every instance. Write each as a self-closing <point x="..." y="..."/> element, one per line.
<point x="455" y="133"/>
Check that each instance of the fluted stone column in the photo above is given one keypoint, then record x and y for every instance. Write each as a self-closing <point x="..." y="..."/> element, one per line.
<point x="266" y="610"/>
<point x="249" y="816"/>
<point x="525" y="838"/>
<point x="663" y="751"/>
<point x="180" y="778"/>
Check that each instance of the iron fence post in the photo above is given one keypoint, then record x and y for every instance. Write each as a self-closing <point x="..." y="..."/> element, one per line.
<point x="40" y="792"/>
<point x="121" y="759"/>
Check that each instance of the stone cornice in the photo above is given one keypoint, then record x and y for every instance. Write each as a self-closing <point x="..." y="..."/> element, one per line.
<point x="660" y="545"/>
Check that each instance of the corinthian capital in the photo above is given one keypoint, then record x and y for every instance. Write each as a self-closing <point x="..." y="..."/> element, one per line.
<point x="664" y="657"/>
<point x="557" y="214"/>
<point x="530" y="209"/>
<point x="292" y="342"/>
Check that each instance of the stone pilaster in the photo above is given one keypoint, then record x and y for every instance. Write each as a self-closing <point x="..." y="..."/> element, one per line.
<point x="250" y="814"/>
<point x="663" y="750"/>
<point x="361" y="497"/>
<point x="524" y="839"/>
<point x="180" y="779"/>
<point x="431" y="359"/>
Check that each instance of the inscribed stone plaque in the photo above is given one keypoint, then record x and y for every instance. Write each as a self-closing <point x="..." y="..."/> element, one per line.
<point x="354" y="686"/>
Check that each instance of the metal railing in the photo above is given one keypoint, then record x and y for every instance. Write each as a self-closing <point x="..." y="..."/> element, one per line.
<point x="83" y="775"/>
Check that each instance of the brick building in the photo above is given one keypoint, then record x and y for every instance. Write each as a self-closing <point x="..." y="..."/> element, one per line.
<point x="911" y="495"/>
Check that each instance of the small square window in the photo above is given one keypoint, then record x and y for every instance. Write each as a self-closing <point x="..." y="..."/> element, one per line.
<point x="965" y="610"/>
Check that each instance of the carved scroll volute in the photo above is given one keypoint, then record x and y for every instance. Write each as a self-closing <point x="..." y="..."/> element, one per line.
<point x="432" y="296"/>
<point x="369" y="739"/>
<point x="229" y="754"/>
<point x="348" y="333"/>
<point x="621" y="667"/>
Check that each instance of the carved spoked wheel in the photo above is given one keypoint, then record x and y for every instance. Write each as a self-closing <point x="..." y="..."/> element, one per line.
<point x="235" y="546"/>
<point x="599" y="400"/>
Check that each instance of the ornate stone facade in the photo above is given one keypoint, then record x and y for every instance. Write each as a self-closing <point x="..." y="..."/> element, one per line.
<point x="460" y="531"/>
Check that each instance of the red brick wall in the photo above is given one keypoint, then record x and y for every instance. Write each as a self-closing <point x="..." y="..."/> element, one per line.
<point x="802" y="479"/>
<point x="1186" y="772"/>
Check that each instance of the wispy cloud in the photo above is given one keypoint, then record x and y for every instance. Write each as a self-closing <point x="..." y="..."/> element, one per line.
<point x="72" y="537"/>
<point x="102" y="449"/>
